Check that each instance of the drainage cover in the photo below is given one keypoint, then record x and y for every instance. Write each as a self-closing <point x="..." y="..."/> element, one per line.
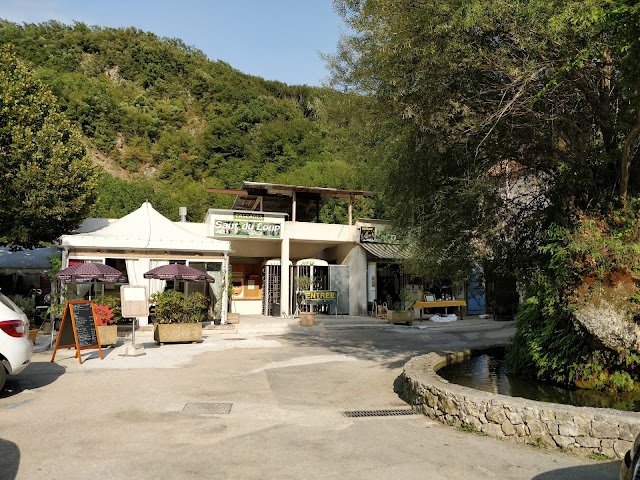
<point x="394" y="412"/>
<point x="207" y="408"/>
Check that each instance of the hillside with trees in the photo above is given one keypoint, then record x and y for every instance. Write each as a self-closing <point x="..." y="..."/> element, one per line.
<point x="165" y="122"/>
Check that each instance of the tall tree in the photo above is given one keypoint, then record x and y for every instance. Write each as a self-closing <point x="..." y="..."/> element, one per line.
<point x="48" y="181"/>
<point x="503" y="112"/>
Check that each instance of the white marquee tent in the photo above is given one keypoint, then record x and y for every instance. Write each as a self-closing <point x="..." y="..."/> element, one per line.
<point x="146" y="239"/>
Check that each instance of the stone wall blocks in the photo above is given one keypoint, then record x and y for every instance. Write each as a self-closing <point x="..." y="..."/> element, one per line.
<point x="606" y="448"/>
<point x="507" y="428"/>
<point x="537" y="429"/>
<point x="552" y="427"/>
<point x="588" y="442"/>
<point x="564" y="417"/>
<point x="628" y="432"/>
<point x="568" y="429"/>
<point x="563" y="441"/>
<point x="605" y="429"/>
<point x="621" y="447"/>
<point x="583" y="423"/>
<point x="492" y="430"/>
<point x="521" y="430"/>
<point x="547" y="416"/>
<point x="514" y="417"/>
<point x="496" y="414"/>
<point x="582" y="430"/>
<point x="530" y="414"/>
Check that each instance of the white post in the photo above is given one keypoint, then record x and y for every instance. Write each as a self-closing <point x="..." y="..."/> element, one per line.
<point x="284" y="276"/>
<point x="293" y="207"/>
<point x="225" y="289"/>
<point x="350" y="209"/>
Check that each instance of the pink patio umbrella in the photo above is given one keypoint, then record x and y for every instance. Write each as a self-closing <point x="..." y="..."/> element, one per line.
<point x="176" y="271"/>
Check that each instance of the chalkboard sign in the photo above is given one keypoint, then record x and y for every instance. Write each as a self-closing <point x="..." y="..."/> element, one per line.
<point x="85" y="324"/>
<point x="78" y="328"/>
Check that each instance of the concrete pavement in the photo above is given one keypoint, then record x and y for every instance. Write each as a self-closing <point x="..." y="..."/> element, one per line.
<point x="286" y="393"/>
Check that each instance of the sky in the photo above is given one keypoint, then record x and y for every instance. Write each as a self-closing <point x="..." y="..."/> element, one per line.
<point x="273" y="39"/>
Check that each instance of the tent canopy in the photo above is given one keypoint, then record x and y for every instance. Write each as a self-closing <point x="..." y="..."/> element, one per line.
<point x="146" y="229"/>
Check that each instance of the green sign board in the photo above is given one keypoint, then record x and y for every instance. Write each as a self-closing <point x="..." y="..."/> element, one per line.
<point x="319" y="297"/>
<point x="246" y="228"/>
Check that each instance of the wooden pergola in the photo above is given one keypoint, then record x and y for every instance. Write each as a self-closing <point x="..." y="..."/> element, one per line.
<point x="300" y="203"/>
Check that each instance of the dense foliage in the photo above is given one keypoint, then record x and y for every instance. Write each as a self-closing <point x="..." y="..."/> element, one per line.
<point x="48" y="182"/>
<point x="159" y="112"/>
<point x="506" y="125"/>
<point x="595" y="261"/>
<point x="495" y="115"/>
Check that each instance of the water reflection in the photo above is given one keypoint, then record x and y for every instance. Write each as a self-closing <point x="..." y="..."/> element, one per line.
<point x="487" y="372"/>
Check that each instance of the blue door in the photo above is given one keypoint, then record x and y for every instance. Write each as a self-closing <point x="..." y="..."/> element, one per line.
<point x="476" y="304"/>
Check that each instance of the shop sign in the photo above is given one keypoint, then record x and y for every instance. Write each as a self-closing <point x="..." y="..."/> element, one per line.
<point x="246" y="228"/>
<point x="248" y="216"/>
<point x="320" y="297"/>
<point x="377" y="235"/>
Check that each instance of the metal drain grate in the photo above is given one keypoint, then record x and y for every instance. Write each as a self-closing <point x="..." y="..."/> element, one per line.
<point x="207" y="408"/>
<point x="379" y="413"/>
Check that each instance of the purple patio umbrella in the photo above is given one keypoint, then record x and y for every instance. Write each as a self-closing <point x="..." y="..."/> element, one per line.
<point x="176" y="271"/>
<point x="89" y="272"/>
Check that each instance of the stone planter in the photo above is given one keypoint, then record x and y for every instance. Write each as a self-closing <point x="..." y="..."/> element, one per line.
<point x="177" y="332"/>
<point x="307" y="319"/>
<point x="33" y="333"/>
<point x="108" y="335"/>
<point x="233" y="317"/>
<point x="400" y="316"/>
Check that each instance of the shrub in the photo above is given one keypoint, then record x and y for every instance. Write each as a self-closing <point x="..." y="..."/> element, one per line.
<point x="113" y="303"/>
<point x="173" y="307"/>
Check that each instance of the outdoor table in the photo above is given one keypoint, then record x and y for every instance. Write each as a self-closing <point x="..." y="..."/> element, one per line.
<point x="442" y="304"/>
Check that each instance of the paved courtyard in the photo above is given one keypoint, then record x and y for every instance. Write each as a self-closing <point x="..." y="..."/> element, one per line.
<point x="162" y="416"/>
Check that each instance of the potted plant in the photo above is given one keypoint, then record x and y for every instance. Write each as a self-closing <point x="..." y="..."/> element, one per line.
<point x="28" y="306"/>
<point x="107" y="311"/>
<point x="401" y="311"/>
<point x="307" y="318"/>
<point x="178" y="319"/>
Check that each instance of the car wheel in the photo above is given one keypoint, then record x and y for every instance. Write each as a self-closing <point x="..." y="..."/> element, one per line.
<point x="635" y="468"/>
<point x="3" y="377"/>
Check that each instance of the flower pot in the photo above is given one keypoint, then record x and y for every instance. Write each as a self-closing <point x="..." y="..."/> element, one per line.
<point x="33" y="333"/>
<point x="108" y="335"/>
<point x="400" y="316"/>
<point x="177" y="332"/>
<point x="307" y="319"/>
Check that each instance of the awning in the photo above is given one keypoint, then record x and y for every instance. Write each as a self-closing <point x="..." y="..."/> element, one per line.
<point x="384" y="251"/>
<point x="26" y="262"/>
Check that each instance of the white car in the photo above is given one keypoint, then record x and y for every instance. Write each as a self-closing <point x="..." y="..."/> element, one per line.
<point x="15" y="347"/>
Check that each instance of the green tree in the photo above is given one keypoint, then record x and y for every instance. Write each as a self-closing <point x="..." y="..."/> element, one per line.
<point x="475" y="97"/>
<point x="48" y="181"/>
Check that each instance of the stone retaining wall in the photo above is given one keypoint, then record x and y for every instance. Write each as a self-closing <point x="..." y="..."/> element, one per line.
<point x="577" y="429"/>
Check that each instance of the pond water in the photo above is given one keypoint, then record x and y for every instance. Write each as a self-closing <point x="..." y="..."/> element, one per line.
<point x="486" y="371"/>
